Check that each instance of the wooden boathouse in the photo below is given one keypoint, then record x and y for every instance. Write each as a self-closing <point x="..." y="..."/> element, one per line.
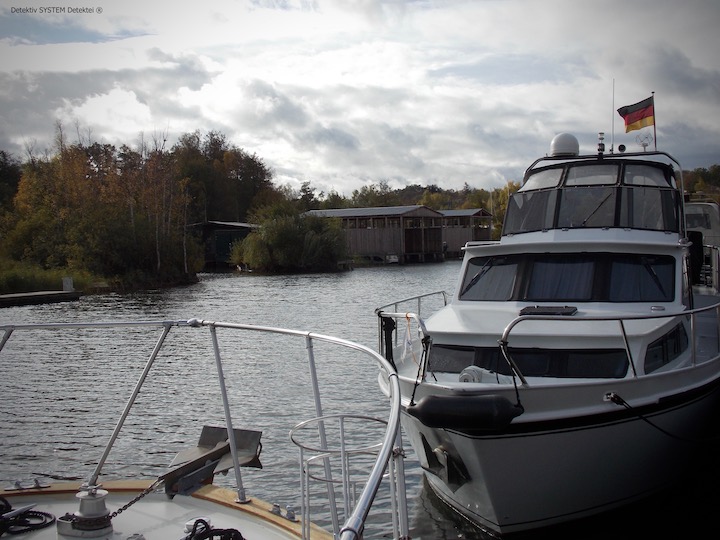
<point x="463" y="226"/>
<point x="406" y="234"/>
<point x="391" y="234"/>
<point x="218" y="237"/>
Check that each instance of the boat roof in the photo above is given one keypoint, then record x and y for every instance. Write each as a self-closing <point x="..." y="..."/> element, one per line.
<point x="656" y="157"/>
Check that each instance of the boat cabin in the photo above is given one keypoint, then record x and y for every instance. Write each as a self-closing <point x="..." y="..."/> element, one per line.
<point x="631" y="193"/>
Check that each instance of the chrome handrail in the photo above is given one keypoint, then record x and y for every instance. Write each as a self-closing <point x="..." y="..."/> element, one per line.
<point x="417" y="315"/>
<point x="390" y="451"/>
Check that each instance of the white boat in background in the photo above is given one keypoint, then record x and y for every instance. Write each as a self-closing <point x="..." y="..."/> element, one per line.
<point x="343" y="459"/>
<point x="575" y="369"/>
<point x="704" y="216"/>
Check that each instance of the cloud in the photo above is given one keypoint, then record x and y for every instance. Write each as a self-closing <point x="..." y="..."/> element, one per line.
<point x="117" y="113"/>
<point x="347" y="92"/>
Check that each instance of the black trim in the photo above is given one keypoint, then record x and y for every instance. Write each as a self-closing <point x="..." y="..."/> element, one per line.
<point x="591" y="421"/>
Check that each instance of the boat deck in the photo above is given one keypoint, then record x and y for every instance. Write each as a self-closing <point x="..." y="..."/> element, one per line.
<point x="160" y="518"/>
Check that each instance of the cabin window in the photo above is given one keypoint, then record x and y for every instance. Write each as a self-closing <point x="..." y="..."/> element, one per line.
<point x="592" y="175"/>
<point x="644" y="175"/>
<point x="565" y="363"/>
<point x="642" y="278"/>
<point x="697" y="221"/>
<point x="542" y="179"/>
<point x="489" y="278"/>
<point x="649" y="208"/>
<point x="570" y="277"/>
<point x="666" y="349"/>
<point x="587" y="207"/>
<point x="531" y="211"/>
<point x="551" y="278"/>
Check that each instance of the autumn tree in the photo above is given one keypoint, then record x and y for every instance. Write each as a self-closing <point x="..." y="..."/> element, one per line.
<point x="288" y="240"/>
<point x="10" y="173"/>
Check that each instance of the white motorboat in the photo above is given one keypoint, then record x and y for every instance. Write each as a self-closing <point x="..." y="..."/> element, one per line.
<point x="343" y="460"/>
<point x="575" y="368"/>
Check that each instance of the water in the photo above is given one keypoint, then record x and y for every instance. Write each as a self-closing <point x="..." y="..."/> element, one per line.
<point x="43" y="401"/>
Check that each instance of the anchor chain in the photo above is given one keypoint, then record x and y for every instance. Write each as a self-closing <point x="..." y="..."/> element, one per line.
<point x="142" y="494"/>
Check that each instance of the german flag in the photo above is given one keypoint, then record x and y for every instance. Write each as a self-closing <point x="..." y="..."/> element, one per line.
<point x="639" y="115"/>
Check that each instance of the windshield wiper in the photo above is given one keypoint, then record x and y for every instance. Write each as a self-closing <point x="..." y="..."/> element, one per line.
<point x="653" y="274"/>
<point x="597" y="208"/>
<point x="480" y="273"/>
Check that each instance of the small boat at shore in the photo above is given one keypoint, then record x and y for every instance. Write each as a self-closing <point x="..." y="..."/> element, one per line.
<point x="576" y="367"/>
<point x="343" y="459"/>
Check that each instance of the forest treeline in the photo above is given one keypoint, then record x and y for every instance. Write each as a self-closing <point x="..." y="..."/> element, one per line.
<point x="128" y="215"/>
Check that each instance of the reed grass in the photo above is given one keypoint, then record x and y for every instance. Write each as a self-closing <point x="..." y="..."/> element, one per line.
<point x="17" y="277"/>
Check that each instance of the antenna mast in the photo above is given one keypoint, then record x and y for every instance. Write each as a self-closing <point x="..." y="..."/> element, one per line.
<point x="612" y="120"/>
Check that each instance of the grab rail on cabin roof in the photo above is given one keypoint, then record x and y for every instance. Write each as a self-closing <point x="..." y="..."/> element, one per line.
<point x="621" y="320"/>
<point x="389" y="452"/>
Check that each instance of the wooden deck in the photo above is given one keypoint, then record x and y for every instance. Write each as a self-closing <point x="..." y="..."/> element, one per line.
<point x="38" y="297"/>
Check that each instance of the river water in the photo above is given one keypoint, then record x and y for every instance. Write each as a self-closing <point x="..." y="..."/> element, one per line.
<point x="44" y="401"/>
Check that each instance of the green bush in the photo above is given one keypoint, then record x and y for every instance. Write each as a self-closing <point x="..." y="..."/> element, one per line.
<point x="291" y="242"/>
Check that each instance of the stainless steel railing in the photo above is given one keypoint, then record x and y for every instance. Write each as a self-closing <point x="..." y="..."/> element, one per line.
<point x="388" y="452"/>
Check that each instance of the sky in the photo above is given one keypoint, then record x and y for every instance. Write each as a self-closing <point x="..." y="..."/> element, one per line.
<point x="349" y="93"/>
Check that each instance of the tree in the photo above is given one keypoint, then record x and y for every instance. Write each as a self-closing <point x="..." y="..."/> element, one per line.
<point x="119" y="215"/>
<point x="290" y="241"/>
<point x="499" y="199"/>
<point x="10" y="173"/>
<point x="374" y="195"/>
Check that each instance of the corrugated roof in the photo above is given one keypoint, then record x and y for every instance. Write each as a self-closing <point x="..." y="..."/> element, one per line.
<point x="230" y="224"/>
<point x="377" y="211"/>
<point x="480" y="212"/>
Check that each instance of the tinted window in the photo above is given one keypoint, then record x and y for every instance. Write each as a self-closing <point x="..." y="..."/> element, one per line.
<point x="587" y="207"/>
<point x="489" y="278"/>
<point x="552" y="278"/>
<point x="642" y="279"/>
<point x="567" y="277"/>
<point x="531" y="211"/>
<point x="612" y="363"/>
<point x="666" y="349"/>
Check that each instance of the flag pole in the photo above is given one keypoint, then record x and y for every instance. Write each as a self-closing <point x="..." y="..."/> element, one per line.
<point x="612" y="119"/>
<point x="654" y="120"/>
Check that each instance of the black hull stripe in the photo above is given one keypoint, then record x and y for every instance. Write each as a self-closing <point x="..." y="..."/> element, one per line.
<point x="623" y="414"/>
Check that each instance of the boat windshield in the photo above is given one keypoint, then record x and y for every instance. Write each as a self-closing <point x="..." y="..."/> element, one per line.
<point x="605" y="195"/>
<point x="564" y="277"/>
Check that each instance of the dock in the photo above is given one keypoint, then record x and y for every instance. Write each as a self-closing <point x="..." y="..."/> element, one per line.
<point x="37" y="297"/>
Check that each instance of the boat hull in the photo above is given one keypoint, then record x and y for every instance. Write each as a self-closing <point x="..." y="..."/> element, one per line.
<point x="535" y="474"/>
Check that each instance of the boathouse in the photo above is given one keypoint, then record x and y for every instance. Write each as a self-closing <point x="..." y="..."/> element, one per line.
<point x="391" y="233"/>
<point x="218" y="237"/>
<point x="463" y="226"/>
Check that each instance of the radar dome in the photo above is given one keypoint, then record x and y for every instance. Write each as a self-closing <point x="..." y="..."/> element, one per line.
<point x="564" y="144"/>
